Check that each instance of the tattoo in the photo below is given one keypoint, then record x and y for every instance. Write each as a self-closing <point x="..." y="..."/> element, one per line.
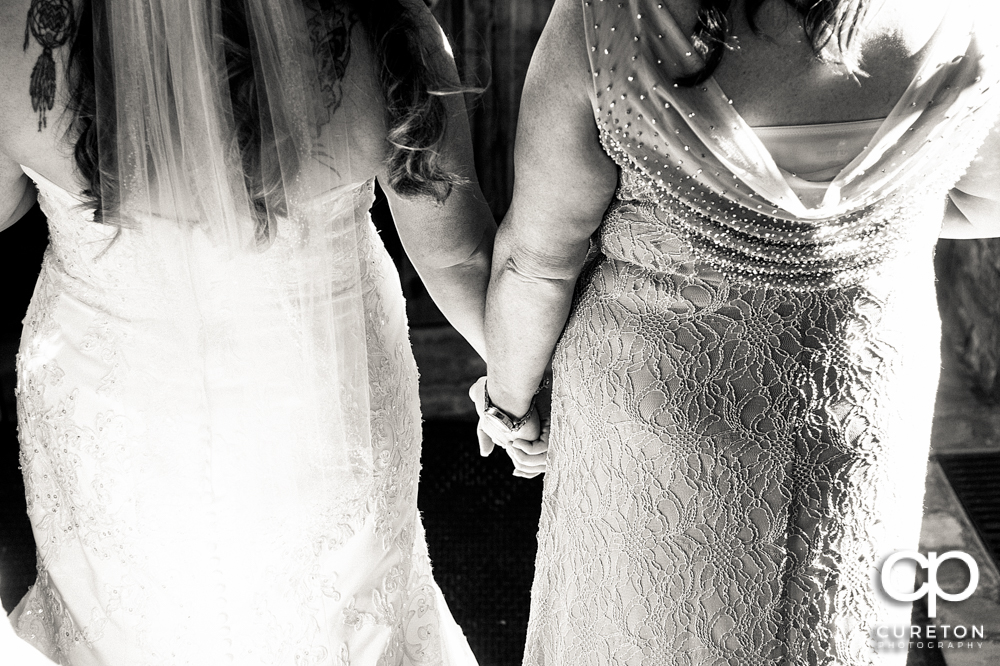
<point x="51" y="23"/>
<point x="330" y="33"/>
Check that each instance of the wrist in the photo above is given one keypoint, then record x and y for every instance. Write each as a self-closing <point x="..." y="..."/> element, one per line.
<point x="515" y="404"/>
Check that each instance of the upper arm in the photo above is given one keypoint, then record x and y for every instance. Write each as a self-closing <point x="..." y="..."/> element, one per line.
<point x="564" y="180"/>
<point x="17" y="193"/>
<point x="974" y="202"/>
<point x="443" y="234"/>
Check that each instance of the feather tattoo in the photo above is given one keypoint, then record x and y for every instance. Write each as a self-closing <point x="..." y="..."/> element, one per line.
<point x="51" y="23"/>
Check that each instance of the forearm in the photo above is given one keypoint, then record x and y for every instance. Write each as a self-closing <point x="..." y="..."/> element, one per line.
<point x="526" y="312"/>
<point x="459" y="291"/>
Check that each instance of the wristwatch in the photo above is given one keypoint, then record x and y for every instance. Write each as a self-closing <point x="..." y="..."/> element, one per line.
<point x="491" y="411"/>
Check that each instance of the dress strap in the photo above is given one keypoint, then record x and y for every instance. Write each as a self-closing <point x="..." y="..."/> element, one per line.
<point x="49" y="189"/>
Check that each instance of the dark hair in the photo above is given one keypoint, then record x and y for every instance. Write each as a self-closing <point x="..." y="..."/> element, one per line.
<point x="415" y="113"/>
<point x="824" y="22"/>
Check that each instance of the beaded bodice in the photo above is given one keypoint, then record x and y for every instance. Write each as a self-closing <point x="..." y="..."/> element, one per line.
<point x="719" y="189"/>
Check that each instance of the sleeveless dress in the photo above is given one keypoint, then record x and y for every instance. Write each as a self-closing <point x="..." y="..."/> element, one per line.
<point x="170" y="527"/>
<point x="743" y="393"/>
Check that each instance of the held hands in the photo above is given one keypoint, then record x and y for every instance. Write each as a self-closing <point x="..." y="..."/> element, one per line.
<point x="527" y="446"/>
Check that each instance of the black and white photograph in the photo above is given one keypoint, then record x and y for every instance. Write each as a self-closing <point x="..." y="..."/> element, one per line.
<point x="500" y="332"/>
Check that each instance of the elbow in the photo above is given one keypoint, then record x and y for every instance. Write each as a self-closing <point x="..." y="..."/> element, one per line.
<point x="444" y="253"/>
<point x="556" y="271"/>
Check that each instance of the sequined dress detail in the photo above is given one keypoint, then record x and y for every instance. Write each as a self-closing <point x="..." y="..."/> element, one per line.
<point x="170" y="528"/>
<point x="743" y="392"/>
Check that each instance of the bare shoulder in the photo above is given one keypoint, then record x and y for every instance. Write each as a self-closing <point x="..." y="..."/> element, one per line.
<point x="357" y="103"/>
<point x="433" y="40"/>
<point x="684" y="13"/>
<point x="560" y="59"/>
<point x="35" y="40"/>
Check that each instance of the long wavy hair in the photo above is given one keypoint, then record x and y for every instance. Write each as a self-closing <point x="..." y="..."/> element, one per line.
<point x="831" y="26"/>
<point x="415" y="113"/>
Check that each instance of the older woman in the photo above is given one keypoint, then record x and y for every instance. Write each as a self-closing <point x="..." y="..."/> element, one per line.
<point x="744" y="198"/>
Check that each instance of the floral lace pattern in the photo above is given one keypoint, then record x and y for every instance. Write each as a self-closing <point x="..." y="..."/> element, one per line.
<point x="150" y="551"/>
<point x="742" y="395"/>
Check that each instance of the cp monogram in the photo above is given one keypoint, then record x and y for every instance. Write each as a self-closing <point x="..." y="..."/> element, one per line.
<point x="930" y="589"/>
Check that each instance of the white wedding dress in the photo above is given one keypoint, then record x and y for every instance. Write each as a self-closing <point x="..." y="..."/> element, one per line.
<point x="164" y="410"/>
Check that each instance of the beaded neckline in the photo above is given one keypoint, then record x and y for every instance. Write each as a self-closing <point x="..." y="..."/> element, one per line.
<point x="692" y="138"/>
<point x="777" y="185"/>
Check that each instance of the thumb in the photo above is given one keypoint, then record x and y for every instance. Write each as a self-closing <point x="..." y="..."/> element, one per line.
<point x="532" y="428"/>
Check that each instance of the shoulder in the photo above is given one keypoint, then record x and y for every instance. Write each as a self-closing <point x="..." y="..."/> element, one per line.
<point x="33" y="117"/>
<point x="430" y="33"/>
<point x="682" y="12"/>
<point x="560" y="57"/>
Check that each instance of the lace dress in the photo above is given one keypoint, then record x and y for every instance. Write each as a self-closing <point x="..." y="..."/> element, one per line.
<point x="171" y="527"/>
<point x="743" y="392"/>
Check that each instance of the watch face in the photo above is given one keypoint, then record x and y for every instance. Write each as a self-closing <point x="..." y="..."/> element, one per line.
<point x="500" y="417"/>
<point x="497" y="426"/>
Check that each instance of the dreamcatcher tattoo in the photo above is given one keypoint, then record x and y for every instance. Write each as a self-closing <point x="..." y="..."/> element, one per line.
<point x="51" y="23"/>
<point x="330" y="33"/>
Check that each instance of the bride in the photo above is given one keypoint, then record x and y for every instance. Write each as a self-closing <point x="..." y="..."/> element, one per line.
<point x="220" y="432"/>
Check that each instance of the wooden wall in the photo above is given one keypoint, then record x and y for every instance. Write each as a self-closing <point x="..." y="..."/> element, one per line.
<point x="493" y="42"/>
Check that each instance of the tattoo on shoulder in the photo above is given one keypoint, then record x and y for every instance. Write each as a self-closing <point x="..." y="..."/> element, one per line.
<point x="330" y="32"/>
<point x="51" y="23"/>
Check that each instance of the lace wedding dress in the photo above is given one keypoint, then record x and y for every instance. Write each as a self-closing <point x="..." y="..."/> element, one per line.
<point x="743" y="392"/>
<point x="217" y="401"/>
<point x="157" y="415"/>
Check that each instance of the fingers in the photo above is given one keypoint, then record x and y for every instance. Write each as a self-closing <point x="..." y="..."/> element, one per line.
<point x="525" y="475"/>
<point x="527" y="446"/>
<point x="531" y="430"/>
<point x="496" y="431"/>
<point x="531" y="448"/>
<point x="526" y="462"/>
<point x="486" y="443"/>
<point x="526" y="465"/>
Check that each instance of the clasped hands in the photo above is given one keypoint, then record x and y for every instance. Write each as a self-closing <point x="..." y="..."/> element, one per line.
<point x="527" y="446"/>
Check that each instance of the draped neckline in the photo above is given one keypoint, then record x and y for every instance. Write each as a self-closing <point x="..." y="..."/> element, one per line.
<point x="758" y="168"/>
<point x="811" y="155"/>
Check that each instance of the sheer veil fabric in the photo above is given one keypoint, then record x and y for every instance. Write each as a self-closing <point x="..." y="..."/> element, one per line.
<point x="657" y="122"/>
<point x="217" y="399"/>
<point x="175" y="158"/>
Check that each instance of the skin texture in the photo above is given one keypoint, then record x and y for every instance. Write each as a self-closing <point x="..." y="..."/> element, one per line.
<point x="330" y="34"/>
<point x="52" y="24"/>
<point x="564" y="181"/>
